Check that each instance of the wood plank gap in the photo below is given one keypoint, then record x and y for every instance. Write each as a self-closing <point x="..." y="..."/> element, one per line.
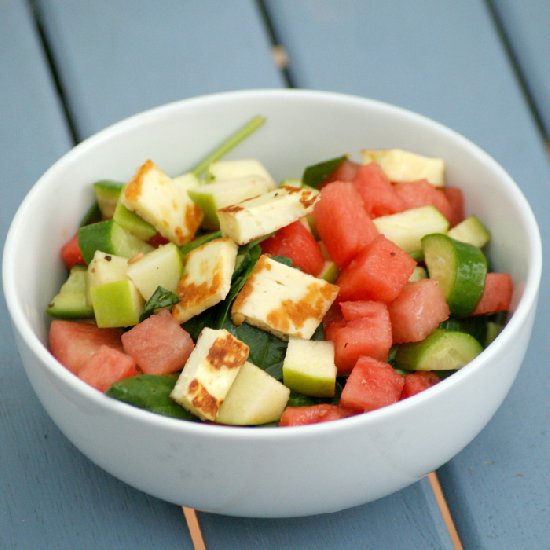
<point x="194" y="528"/>
<point x="516" y="67"/>
<point x="445" y="511"/>
<point x="280" y="55"/>
<point x="50" y="61"/>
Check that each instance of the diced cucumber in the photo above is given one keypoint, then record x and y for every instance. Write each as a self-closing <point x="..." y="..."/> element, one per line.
<point x="133" y="223"/>
<point x="442" y="350"/>
<point x="109" y="237"/>
<point x="476" y="326"/>
<point x="493" y="330"/>
<point x="460" y="269"/>
<point x="107" y="193"/>
<point x="471" y="231"/>
<point x="92" y="215"/>
<point x="71" y="302"/>
<point x="407" y="228"/>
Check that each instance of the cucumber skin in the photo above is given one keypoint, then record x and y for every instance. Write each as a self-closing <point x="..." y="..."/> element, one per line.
<point x="420" y="355"/>
<point x="470" y="269"/>
<point x="73" y="296"/>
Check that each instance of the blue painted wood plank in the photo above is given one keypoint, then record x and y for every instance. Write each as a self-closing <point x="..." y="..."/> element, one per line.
<point x="50" y="495"/>
<point x="119" y="58"/>
<point x="446" y="60"/>
<point x="409" y="519"/>
<point x="527" y="28"/>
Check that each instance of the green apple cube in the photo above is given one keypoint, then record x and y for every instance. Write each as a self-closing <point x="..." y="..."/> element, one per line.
<point x="106" y="268"/>
<point x="472" y="231"/>
<point x="217" y="195"/>
<point x="72" y="301"/>
<point x="236" y="169"/>
<point x="188" y="180"/>
<point x="254" y="398"/>
<point x="130" y="221"/>
<point x="116" y="304"/>
<point x="161" y="267"/>
<point x="407" y="228"/>
<point x="309" y="367"/>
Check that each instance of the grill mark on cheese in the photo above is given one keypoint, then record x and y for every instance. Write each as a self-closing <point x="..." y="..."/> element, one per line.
<point x="227" y="352"/>
<point x="193" y="216"/>
<point x="191" y="294"/>
<point x="132" y="191"/>
<point x="202" y="400"/>
<point x="312" y="305"/>
<point x="247" y="289"/>
<point x="232" y="208"/>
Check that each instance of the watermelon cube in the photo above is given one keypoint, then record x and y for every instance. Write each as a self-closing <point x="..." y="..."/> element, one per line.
<point x="417" y="311"/>
<point x="345" y="172"/>
<point x="361" y="308"/>
<point x="376" y="190"/>
<point x="378" y="273"/>
<point x="416" y="382"/>
<point x="455" y="196"/>
<point x="370" y="335"/>
<point x="297" y="243"/>
<point x="422" y="193"/>
<point x="371" y="385"/>
<point x="342" y="222"/>
<point x="72" y="343"/>
<point x="313" y="414"/>
<point x="105" y="367"/>
<point x="497" y="294"/>
<point x="158" y="345"/>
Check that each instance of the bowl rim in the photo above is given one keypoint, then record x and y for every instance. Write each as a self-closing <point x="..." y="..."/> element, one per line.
<point x="23" y="328"/>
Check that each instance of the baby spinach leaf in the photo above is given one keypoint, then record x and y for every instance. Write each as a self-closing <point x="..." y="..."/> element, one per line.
<point x="161" y="298"/>
<point x="266" y="350"/>
<point x="199" y="241"/>
<point x="315" y="174"/>
<point x="285" y="260"/>
<point x="150" y="392"/>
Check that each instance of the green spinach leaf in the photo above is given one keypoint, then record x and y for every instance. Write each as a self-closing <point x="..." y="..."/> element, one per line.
<point x="315" y="174"/>
<point x="199" y="241"/>
<point x="285" y="260"/>
<point x="161" y="298"/>
<point x="150" y="392"/>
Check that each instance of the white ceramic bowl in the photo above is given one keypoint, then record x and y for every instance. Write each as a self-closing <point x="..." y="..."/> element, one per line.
<point x="268" y="472"/>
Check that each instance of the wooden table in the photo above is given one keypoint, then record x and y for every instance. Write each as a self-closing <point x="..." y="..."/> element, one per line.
<point x="70" y="67"/>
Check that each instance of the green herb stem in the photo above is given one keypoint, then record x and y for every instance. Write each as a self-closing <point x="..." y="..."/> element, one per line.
<point x="231" y="142"/>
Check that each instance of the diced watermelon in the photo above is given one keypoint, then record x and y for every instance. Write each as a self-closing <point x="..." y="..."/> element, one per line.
<point x="158" y="240"/>
<point x="417" y="311"/>
<point x="105" y="367"/>
<point x="378" y="273"/>
<point x="455" y="196"/>
<point x="342" y="222"/>
<point x="415" y="382"/>
<point x="333" y="314"/>
<point x="369" y="335"/>
<point x="70" y="253"/>
<point x="332" y="328"/>
<point x="361" y="308"/>
<point x="345" y="172"/>
<point x="297" y="243"/>
<point x="313" y="414"/>
<point x="72" y="343"/>
<point x="376" y="190"/>
<point x="497" y="294"/>
<point x="158" y="345"/>
<point x="371" y="385"/>
<point x="422" y="193"/>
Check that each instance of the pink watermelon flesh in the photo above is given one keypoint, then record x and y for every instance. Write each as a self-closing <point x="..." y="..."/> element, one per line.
<point x="105" y="367"/>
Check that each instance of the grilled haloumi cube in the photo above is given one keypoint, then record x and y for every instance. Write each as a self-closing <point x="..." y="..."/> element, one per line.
<point x="163" y="202"/>
<point x="209" y="372"/>
<point x="252" y="218"/>
<point x="282" y="300"/>
<point x="402" y="166"/>
<point x="206" y="279"/>
<point x="236" y="169"/>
